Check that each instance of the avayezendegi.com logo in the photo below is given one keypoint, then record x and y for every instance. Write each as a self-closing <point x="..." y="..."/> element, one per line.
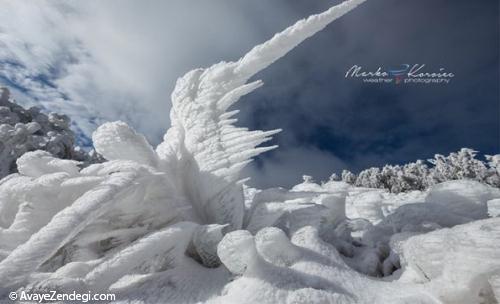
<point x="53" y="296"/>
<point x="404" y="74"/>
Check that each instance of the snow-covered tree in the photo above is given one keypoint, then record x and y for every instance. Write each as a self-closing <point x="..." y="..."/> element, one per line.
<point x="417" y="173"/>
<point x="23" y="130"/>
<point x="411" y="176"/>
<point x="348" y="177"/>
<point x="369" y="178"/>
<point x="334" y="177"/>
<point x="460" y="165"/>
<point x="419" y="176"/>
<point x="493" y="174"/>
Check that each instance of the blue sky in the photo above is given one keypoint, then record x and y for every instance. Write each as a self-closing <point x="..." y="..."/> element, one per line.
<point x="107" y="60"/>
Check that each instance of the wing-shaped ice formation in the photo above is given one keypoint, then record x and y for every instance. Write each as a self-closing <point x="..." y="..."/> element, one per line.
<point x="208" y="150"/>
<point x="193" y="175"/>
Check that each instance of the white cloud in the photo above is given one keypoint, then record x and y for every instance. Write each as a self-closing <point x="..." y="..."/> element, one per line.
<point x="100" y="61"/>
<point x="108" y="60"/>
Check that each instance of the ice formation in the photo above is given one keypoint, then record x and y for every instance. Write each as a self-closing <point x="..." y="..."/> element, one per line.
<point x="177" y="224"/>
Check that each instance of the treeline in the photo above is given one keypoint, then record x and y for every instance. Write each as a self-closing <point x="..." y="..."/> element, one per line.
<point x="420" y="175"/>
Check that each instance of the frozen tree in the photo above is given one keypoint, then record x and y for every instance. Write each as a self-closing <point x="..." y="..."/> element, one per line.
<point x="348" y="177"/>
<point x="494" y="162"/>
<point x="23" y="130"/>
<point x="493" y="175"/>
<point x="389" y="177"/>
<point x="460" y="165"/>
<point x="334" y="177"/>
<point x="419" y="176"/>
<point x="412" y="176"/>
<point x="307" y="179"/>
<point x="416" y="174"/>
<point x="369" y="178"/>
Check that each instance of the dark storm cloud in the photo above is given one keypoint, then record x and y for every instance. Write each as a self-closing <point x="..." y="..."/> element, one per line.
<point x="372" y="124"/>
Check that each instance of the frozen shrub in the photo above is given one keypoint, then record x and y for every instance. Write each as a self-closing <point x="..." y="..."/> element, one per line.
<point x="418" y="176"/>
<point x="23" y="130"/>
<point x="348" y="177"/>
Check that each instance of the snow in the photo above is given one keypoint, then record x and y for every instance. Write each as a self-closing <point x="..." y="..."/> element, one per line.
<point x="493" y="207"/>
<point x="465" y="197"/>
<point x="65" y="225"/>
<point x="152" y="253"/>
<point x="117" y="141"/>
<point x="38" y="163"/>
<point x="177" y="224"/>
<point x="458" y="262"/>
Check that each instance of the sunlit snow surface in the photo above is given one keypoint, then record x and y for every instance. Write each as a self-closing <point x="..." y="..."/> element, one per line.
<point x="176" y="224"/>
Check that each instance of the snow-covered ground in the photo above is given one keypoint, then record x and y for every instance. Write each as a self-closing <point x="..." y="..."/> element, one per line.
<point x="177" y="224"/>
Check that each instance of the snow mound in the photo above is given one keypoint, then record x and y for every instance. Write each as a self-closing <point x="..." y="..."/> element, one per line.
<point x="493" y="207"/>
<point x="465" y="197"/>
<point x="38" y="163"/>
<point x="457" y="264"/>
<point x="117" y="141"/>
